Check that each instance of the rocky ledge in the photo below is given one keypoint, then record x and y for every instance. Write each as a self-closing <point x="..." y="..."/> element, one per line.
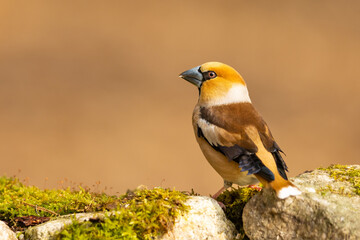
<point x="329" y="208"/>
<point x="204" y="220"/>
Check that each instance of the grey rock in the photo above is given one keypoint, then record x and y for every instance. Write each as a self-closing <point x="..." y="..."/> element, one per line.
<point x="205" y="220"/>
<point x="6" y="233"/>
<point x="50" y="229"/>
<point x="314" y="214"/>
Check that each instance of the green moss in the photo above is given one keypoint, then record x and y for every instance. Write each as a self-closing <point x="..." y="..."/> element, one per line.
<point x="144" y="214"/>
<point x="18" y="200"/>
<point x="234" y="202"/>
<point x="139" y="215"/>
<point x="343" y="173"/>
<point x="330" y="189"/>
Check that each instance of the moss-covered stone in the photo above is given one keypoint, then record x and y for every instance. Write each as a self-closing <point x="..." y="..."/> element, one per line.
<point x="139" y="214"/>
<point x="18" y="200"/>
<point x="143" y="214"/>
<point x="343" y="173"/>
<point x="234" y="201"/>
<point x="327" y="208"/>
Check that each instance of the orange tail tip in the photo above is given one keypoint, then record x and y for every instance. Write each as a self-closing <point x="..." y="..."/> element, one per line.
<point x="288" y="191"/>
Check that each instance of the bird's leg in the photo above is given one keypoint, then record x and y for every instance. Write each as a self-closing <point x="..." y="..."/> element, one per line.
<point x="226" y="186"/>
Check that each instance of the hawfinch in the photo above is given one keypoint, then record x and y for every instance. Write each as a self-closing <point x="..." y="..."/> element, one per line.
<point x="232" y="135"/>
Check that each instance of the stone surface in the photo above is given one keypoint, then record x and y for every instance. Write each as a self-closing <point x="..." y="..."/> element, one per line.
<point x="315" y="214"/>
<point x="50" y="229"/>
<point x="6" y="233"/>
<point x="205" y="220"/>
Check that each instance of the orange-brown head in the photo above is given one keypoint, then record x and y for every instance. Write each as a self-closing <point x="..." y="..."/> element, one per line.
<point x="218" y="83"/>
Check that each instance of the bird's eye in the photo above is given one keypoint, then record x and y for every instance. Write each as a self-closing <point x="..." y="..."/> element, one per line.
<point x="210" y="75"/>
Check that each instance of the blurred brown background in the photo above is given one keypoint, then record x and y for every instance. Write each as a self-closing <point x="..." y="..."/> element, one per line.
<point x="89" y="90"/>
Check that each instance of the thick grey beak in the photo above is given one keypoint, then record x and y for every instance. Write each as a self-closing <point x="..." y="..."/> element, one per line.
<point x="193" y="76"/>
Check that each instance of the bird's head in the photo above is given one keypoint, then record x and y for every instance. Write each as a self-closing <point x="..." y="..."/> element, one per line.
<point x="218" y="83"/>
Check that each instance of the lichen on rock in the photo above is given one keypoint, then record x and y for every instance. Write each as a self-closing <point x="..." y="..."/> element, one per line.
<point x="315" y="214"/>
<point x="347" y="175"/>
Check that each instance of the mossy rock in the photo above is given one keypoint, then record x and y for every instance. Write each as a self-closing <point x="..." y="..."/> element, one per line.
<point x="142" y="213"/>
<point x="349" y="176"/>
<point x="235" y="200"/>
<point x="203" y="220"/>
<point x="328" y="208"/>
<point x="18" y="200"/>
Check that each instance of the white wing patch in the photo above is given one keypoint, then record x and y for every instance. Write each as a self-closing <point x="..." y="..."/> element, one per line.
<point x="209" y="131"/>
<point x="217" y="136"/>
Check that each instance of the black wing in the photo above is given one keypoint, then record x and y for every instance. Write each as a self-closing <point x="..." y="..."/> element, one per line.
<point x="280" y="163"/>
<point x="247" y="160"/>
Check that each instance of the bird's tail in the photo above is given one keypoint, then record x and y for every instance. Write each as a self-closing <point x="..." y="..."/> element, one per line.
<point x="285" y="189"/>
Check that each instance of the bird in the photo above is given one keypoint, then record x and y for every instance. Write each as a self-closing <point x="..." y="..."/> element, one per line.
<point x="231" y="133"/>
